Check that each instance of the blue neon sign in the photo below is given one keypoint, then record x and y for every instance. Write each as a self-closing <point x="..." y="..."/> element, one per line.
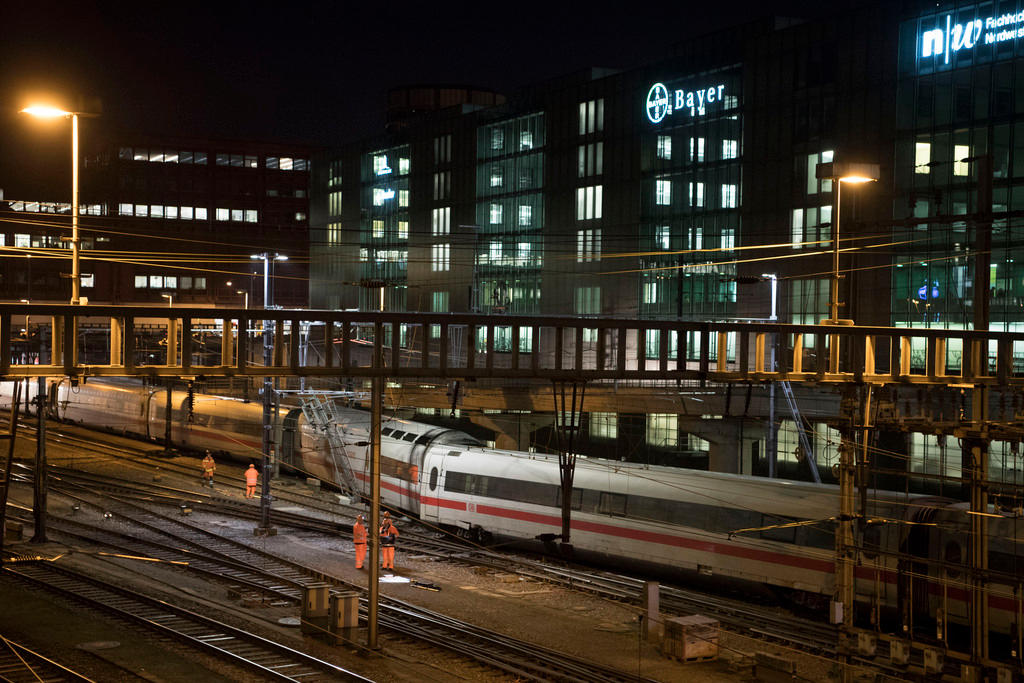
<point x="662" y="102"/>
<point x="950" y="37"/>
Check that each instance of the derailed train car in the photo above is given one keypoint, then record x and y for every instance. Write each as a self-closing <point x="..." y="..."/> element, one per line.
<point x="746" y="531"/>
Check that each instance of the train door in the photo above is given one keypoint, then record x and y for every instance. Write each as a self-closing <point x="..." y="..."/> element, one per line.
<point x="152" y="416"/>
<point x="289" y="437"/>
<point x="913" y="589"/>
<point x="431" y="479"/>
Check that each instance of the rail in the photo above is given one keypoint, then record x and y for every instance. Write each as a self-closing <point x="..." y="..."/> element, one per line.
<point x="86" y="341"/>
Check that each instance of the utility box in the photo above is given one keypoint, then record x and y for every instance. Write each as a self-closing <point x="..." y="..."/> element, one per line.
<point x="867" y="644"/>
<point x="1004" y="675"/>
<point x="932" y="660"/>
<point x="13" y="531"/>
<point x="691" y="639"/>
<point x="970" y="673"/>
<point x="899" y="653"/>
<point x="315" y="608"/>
<point x="344" y="616"/>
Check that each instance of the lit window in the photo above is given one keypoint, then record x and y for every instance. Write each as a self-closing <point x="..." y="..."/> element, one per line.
<point x="695" y="237"/>
<point x="185" y="157"/>
<point x="250" y="215"/>
<point x="663" y="192"/>
<point x="525" y="215"/>
<point x="496" y="214"/>
<point x="589" y="202"/>
<point x="403" y="197"/>
<point x="156" y="155"/>
<point x="439" y="257"/>
<point x="922" y="157"/>
<point x="142" y="210"/>
<point x="378" y="227"/>
<point x="730" y="149"/>
<point x="588" y="245"/>
<point x="496" y="176"/>
<point x="797" y="228"/>
<point x="662" y="429"/>
<point x="125" y="209"/>
<point x="22" y="240"/>
<point x="170" y="212"/>
<point x="156" y="281"/>
<point x="650" y="292"/>
<point x="697" y="194"/>
<point x="813" y="184"/>
<point x="961" y="167"/>
<point x="494" y="253"/>
<point x="273" y="162"/>
<point x="664" y="147"/>
<point x="125" y="153"/>
<point x="141" y="282"/>
<point x="186" y="282"/>
<point x="223" y="160"/>
<point x="729" y="196"/>
<point x="604" y="425"/>
<point x="440" y="221"/>
<point x="237" y="160"/>
<point x="591" y="159"/>
<point x="526" y="139"/>
<point x="223" y="214"/>
<point x="171" y="282"/>
<point x="497" y="139"/>
<point x="250" y="162"/>
<point x="591" y="117"/>
<point x="141" y="155"/>
<point x="403" y="166"/>
<point x="587" y="301"/>
<point x="199" y="283"/>
<point x="663" y="237"/>
<point x="403" y="230"/>
<point x="696" y="149"/>
<point x="286" y="163"/>
<point x="201" y="213"/>
<point x="728" y="238"/>
<point x="237" y="215"/>
<point x="439" y="302"/>
<point x="442" y="184"/>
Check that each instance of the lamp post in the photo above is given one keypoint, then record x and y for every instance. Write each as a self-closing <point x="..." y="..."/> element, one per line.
<point x="170" y="299"/>
<point x="245" y="294"/>
<point x="51" y="113"/>
<point x="841" y="172"/>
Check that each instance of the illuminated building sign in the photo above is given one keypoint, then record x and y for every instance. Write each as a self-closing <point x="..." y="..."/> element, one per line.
<point x="951" y="37"/>
<point x="662" y="102"/>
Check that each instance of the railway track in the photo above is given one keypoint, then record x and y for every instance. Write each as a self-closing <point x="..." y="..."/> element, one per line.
<point x="185" y="543"/>
<point x="19" y="664"/>
<point x="262" y="657"/>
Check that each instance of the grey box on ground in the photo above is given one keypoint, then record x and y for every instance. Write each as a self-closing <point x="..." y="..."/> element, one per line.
<point x="692" y="638"/>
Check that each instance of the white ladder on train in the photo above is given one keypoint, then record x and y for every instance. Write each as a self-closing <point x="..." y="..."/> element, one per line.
<point x="805" y="443"/>
<point x="320" y="413"/>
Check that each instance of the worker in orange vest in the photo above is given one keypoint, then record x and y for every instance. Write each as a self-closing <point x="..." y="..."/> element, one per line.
<point x="388" y="534"/>
<point x="252" y="478"/>
<point x="359" y="539"/>
<point x="209" y="467"/>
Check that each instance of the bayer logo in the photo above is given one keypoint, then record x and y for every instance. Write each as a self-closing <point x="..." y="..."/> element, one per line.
<point x="658" y="105"/>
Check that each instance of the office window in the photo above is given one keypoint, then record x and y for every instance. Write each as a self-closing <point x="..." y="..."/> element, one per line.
<point x="589" y="201"/>
<point x="237" y="215"/>
<point x="22" y="240"/>
<point x="439" y="302"/>
<point x="604" y="425"/>
<point x="439" y="260"/>
<point x="125" y="209"/>
<point x="186" y="283"/>
<point x="223" y="214"/>
<point x="156" y="281"/>
<point x="662" y="429"/>
<point x="170" y="212"/>
<point x="729" y="193"/>
<point x="651" y="291"/>
<point x="960" y="153"/>
<point x="590" y="159"/>
<point x="142" y="210"/>
<point x="497" y="176"/>
<point x="664" y="147"/>
<point x="591" y="117"/>
<point x="695" y="237"/>
<point x="378" y="227"/>
<point x="404" y="165"/>
<point x="525" y="216"/>
<point x="496" y="211"/>
<point x="663" y="192"/>
<point x="141" y="282"/>
<point x="442" y="184"/>
<point x="663" y="237"/>
<point x="922" y="157"/>
<point x="697" y="149"/>
<point x="170" y="282"/>
<point x="814" y="186"/>
<point x="403" y="230"/>
<point x="696" y="194"/>
<point x="497" y="139"/>
<point x="494" y="252"/>
<point x="156" y="211"/>
<point x="440" y="220"/>
<point x="223" y="159"/>
<point x="287" y="164"/>
<point x="201" y="213"/>
<point x="526" y="139"/>
<point x="729" y="238"/>
<point x="730" y="149"/>
<point x="250" y="162"/>
<point x="588" y="245"/>
<point x="587" y="301"/>
<point x="797" y="228"/>
<point x="199" y="283"/>
<point x="403" y="198"/>
<point x="443" y="149"/>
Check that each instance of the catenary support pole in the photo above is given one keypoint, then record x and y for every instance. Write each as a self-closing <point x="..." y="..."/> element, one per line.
<point x="376" y="398"/>
<point x="39" y="489"/>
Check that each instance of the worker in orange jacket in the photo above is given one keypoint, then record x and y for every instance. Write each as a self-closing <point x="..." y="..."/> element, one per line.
<point x="252" y="478"/>
<point x="209" y="467"/>
<point x="388" y="534"/>
<point x="359" y="539"/>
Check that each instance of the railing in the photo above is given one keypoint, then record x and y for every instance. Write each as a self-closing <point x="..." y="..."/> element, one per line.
<point x="84" y="341"/>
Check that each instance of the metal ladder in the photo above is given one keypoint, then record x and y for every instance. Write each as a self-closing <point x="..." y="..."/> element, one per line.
<point x="319" y="409"/>
<point x="787" y="391"/>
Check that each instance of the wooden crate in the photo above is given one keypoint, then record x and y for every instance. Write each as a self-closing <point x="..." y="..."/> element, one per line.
<point x="691" y="639"/>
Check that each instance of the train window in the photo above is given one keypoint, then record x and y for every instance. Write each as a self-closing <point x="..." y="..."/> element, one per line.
<point x="453" y="454"/>
<point x="433" y="478"/>
<point x="954" y="558"/>
<point x="821" y="535"/>
<point x="872" y="540"/>
<point x="577" y="498"/>
<point x="1011" y="565"/>
<point x="423" y="438"/>
<point x="409" y="437"/>
<point x="386" y="431"/>
<point x="612" y="504"/>
<point x="396" y="434"/>
<point x="782" y="534"/>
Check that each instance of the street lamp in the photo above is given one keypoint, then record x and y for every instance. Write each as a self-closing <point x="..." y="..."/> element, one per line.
<point x="841" y="172"/>
<point x="45" y="112"/>
<point x="170" y="299"/>
<point x="244" y="294"/>
<point x="266" y="257"/>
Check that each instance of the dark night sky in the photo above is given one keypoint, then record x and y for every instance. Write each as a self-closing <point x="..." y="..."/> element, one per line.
<point x="310" y="71"/>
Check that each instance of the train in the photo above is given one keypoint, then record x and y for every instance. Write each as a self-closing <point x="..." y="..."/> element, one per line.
<point x="733" y="529"/>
